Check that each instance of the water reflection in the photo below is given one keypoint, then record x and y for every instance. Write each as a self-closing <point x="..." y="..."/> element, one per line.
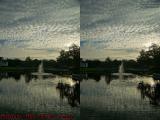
<point x="104" y="96"/>
<point x="152" y="92"/>
<point x="72" y="93"/>
<point x="148" y="90"/>
<point x="27" y="76"/>
<point x="15" y="75"/>
<point x="108" y="77"/>
<point x="70" y="89"/>
<point x="96" y="77"/>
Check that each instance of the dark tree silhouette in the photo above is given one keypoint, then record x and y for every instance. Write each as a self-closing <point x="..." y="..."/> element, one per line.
<point x="150" y="57"/>
<point x="28" y="59"/>
<point x="70" y="58"/>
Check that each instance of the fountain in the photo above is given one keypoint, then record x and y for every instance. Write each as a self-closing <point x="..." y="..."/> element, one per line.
<point x="121" y="72"/>
<point x="41" y="71"/>
<point x="40" y="68"/>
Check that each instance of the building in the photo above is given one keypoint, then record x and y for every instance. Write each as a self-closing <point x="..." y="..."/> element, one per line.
<point x="3" y="63"/>
<point x="84" y="64"/>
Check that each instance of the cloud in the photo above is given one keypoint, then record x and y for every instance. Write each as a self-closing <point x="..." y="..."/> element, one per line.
<point x="39" y="24"/>
<point x="119" y="25"/>
<point x="91" y="52"/>
<point x="22" y="53"/>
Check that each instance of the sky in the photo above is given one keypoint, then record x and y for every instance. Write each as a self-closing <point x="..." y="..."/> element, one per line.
<point x="38" y="28"/>
<point x="118" y="29"/>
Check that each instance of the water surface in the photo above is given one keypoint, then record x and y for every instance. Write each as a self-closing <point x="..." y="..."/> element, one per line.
<point x="104" y="97"/>
<point x="24" y="93"/>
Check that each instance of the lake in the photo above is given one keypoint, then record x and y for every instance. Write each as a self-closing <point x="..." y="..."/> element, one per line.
<point x="24" y="93"/>
<point x="106" y="97"/>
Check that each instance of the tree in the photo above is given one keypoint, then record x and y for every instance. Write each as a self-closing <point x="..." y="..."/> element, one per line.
<point x="108" y="60"/>
<point x="28" y="59"/>
<point x="1" y="58"/>
<point x="70" y="58"/>
<point x="74" y="53"/>
<point x="150" y="57"/>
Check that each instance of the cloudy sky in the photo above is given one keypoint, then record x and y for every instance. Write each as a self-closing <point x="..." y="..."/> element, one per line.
<point x="118" y="28"/>
<point x="38" y="28"/>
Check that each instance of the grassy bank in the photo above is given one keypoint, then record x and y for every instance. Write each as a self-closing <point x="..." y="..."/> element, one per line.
<point x="35" y="69"/>
<point x="115" y="70"/>
<point x="17" y="69"/>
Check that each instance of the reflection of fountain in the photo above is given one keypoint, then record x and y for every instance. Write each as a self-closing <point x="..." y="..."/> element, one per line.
<point x="41" y="71"/>
<point x="121" y="72"/>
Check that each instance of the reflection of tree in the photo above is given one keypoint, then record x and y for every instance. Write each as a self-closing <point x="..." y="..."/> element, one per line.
<point x="15" y="75"/>
<point x="151" y="92"/>
<point x="3" y="75"/>
<point x="72" y="93"/>
<point x="18" y="75"/>
<point x="96" y="77"/>
<point x="27" y="77"/>
<point x="108" y="78"/>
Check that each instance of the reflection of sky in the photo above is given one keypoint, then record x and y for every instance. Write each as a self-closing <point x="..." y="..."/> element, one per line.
<point x="118" y="96"/>
<point x="39" y="28"/>
<point x="118" y="28"/>
<point x="40" y="96"/>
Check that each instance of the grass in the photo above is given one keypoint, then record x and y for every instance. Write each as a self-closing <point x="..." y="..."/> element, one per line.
<point x="97" y="70"/>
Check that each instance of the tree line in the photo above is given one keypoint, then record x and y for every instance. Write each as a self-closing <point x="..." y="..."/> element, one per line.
<point x="147" y="60"/>
<point x="70" y="59"/>
<point x="67" y="59"/>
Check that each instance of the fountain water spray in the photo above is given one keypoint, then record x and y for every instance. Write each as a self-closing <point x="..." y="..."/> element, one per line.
<point x="121" y="71"/>
<point x="41" y="71"/>
<point x="40" y="68"/>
